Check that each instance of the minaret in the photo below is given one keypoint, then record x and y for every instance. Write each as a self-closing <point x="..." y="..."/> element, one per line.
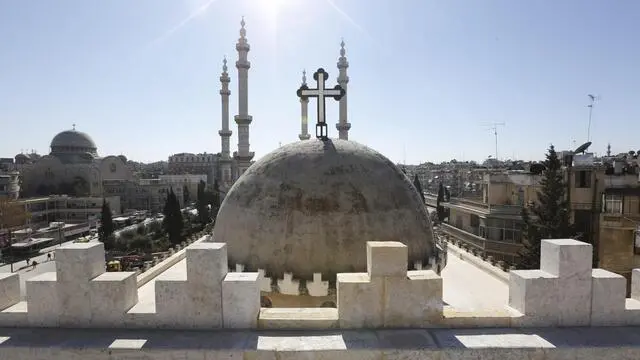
<point x="304" y="102"/>
<point x="609" y="149"/>
<point x="225" y="133"/>
<point x="243" y="156"/>
<point x="343" y="126"/>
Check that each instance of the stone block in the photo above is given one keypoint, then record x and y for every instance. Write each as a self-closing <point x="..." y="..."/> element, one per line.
<point x="359" y="300"/>
<point x="534" y="293"/>
<point x="387" y="258"/>
<point x="112" y="295"/>
<point x="171" y="299"/>
<point x="415" y="301"/>
<point x="79" y="261"/>
<point x="574" y="301"/>
<point x="42" y="300"/>
<point x="317" y="287"/>
<point x="608" y="291"/>
<point x="74" y="300"/>
<point x="207" y="263"/>
<point x="635" y="284"/>
<point x="241" y="300"/>
<point x="9" y="289"/>
<point x="566" y="258"/>
<point x="265" y="282"/>
<point x="288" y="286"/>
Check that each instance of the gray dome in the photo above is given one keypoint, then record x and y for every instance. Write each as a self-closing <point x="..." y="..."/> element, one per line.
<point x="73" y="140"/>
<point x="311" y="206"/>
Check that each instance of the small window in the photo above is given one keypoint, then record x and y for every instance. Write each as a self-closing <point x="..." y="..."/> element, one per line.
<point x="583" y="179"/>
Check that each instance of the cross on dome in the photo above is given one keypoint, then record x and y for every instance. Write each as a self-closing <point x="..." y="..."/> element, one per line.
<point x="320" y="92"/>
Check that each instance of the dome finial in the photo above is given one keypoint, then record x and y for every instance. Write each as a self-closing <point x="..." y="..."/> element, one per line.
<point x="224" y="64"/>
<point x="304" y="77"/>
<point x="342" y="51"/>
<point x="74" y="127"/>
<point x="243" y="31"/>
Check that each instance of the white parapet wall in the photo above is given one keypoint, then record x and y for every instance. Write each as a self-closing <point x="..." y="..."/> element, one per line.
<point x="565" y="291"/>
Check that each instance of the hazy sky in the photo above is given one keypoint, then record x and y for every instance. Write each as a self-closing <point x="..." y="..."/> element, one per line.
<point x="142" y="77"/>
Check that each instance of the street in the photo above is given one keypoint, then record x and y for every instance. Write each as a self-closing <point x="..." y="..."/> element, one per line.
<point x="27" y="272"/>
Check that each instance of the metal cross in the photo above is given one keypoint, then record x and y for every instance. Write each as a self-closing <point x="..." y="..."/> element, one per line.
<point x="320" y="76"/>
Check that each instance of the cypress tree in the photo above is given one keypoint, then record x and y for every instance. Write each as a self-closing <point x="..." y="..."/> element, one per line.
<point x="201" y="203"/>
<point x="439" y="201"/>
<point x="106" y="230"/>
<point x="173" y="223"/>
<point x="418" y="186"/>
<point x="548" y="218"/>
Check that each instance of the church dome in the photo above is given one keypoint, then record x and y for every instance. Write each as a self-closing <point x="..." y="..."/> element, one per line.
<point x="73" y="140"/>
<point x="311" y="206"/>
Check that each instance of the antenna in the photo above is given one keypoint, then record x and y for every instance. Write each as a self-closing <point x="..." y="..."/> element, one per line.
<point x="494" y="126"/>
<point x="592" y="101"/>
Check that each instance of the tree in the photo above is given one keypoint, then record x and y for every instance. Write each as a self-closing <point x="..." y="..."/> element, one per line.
<point x="186" y="197"/>
<point x="201" y="203"/>
<point x="214" y="199"/>
<point x="106" y="230"/>
<point x="418" y="186"/>
<point x="439" y="201"/>
<point x="12" y="215"/>
<point x="550" y="218"/>
<point x="173" y="224"/>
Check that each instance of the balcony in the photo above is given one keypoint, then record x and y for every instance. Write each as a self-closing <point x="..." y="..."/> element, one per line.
<point x="505" y="209"/>
<point x="480" y="243"/>
<point x="621" y="181"/>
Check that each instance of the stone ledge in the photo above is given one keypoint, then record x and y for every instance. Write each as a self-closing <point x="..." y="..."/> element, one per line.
<point x="479" y="263"/>
<point x="559" y="343"/>
<point x="165" y="264"/>
<point x="298" y="318"/>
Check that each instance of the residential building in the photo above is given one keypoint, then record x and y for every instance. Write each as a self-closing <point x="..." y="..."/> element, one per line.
<point x="10" y="185"/>
<point x="42" y="211"/>
<point x="493" y="224"/>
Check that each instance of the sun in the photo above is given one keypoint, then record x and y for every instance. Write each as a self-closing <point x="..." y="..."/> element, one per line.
<point x="273" y="7"/>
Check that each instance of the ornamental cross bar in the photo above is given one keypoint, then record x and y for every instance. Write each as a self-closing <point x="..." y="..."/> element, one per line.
<point x="320" y="76"/>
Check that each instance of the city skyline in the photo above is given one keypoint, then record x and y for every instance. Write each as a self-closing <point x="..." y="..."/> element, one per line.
<point x="142" y="79"/>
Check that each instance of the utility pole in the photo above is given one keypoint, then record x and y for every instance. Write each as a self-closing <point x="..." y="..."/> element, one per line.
<point x="592" y="99"/>
<point x="494" y="126"/>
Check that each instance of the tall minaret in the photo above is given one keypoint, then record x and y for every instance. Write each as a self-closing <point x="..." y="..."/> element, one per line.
<point x="343" y="126"/>
<point x="243" y="156"/>
<point x="304" y="102"/>
<point x="225" y="133"/>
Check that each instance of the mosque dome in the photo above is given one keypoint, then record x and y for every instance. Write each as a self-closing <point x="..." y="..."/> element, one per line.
<point x="73" y="141"/>
<point x="311" y="206"/>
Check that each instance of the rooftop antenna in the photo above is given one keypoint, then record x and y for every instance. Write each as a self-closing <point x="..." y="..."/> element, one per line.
<point x="592" y="101"/>
<point x="494" y="126"/>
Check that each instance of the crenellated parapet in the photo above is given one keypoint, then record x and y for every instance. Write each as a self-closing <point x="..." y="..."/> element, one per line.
<point x="565" y="291"/>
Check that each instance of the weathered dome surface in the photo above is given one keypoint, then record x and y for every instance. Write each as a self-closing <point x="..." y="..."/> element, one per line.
<point x="72" y="139"/>
<point x="311" y="206"/>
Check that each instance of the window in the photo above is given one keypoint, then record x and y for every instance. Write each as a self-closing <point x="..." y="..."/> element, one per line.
<point x="613" y="204"/>
<point x="583" y="179"/>
<point x="632" y="205"/>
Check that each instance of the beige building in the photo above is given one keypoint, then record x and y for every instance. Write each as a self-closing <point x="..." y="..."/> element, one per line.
<point x="73" y="168"/>
<point x="62" y="208"/>
<point x="191" y="181"/>
<point x="492" y="225"/>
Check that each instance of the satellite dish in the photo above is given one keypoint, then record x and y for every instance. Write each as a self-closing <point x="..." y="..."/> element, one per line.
<point x="582" y="148"/>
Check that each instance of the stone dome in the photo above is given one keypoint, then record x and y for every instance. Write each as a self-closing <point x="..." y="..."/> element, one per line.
<point x="73" y="141"/>
<point x="311" y="206"/>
